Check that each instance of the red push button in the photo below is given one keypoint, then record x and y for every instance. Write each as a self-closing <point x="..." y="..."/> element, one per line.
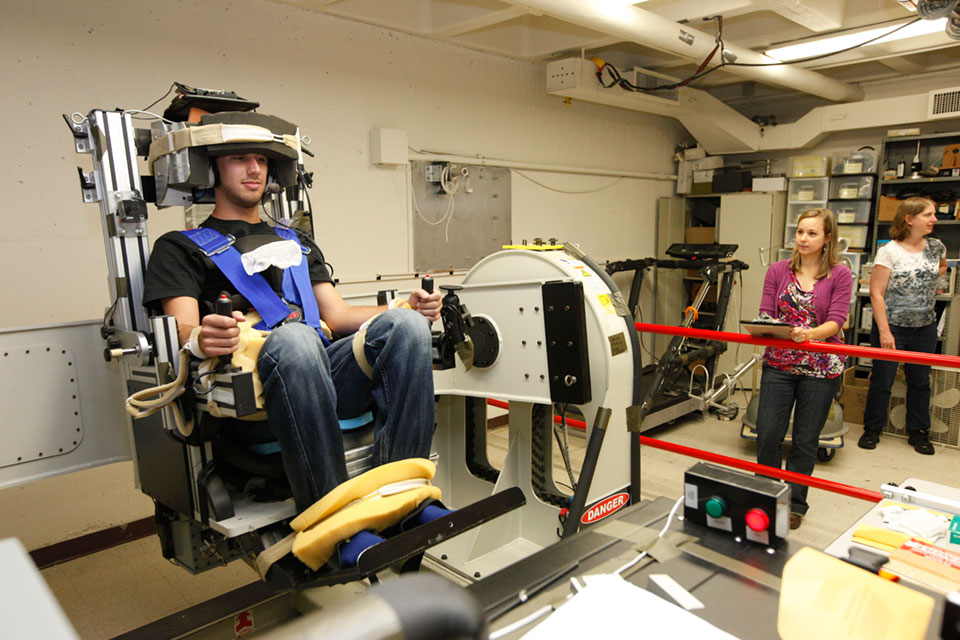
<point x="757" y="519"/>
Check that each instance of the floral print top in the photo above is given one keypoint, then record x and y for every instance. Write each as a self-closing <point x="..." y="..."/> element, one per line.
<point x="795" y="307"/>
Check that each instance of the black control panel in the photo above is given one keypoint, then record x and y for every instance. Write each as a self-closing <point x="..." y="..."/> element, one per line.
<point x="751" y="507"/>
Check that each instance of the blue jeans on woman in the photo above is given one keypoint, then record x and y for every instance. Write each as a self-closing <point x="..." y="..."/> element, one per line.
<point x="809" y="399"/>
<point x="918" y="379"/>
<point x="308" y="388"/>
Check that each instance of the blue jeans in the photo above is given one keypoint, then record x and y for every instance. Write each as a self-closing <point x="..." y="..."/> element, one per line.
<point x="809" y="399"/>
<point x="307" y="388"/>
<point x="918" y="379"/>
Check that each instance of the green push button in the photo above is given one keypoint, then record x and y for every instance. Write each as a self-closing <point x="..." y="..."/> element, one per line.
<point x="716" y="506"/>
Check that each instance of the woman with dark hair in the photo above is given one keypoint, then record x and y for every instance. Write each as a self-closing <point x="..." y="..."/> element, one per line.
<point x="903" y="283"/>
<point x="811" y="292"/>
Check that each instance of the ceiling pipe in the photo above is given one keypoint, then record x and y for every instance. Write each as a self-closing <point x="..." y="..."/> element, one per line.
<point x="644" y="27"/>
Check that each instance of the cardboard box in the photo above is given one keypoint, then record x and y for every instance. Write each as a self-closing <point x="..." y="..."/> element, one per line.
<point x="887" y="208"/>
<point x="951" y="157"/>
<point x="854" y="398"/>
<point x="704" y="175"/>
<point x="710" y="162"/>
<point x="694" y="153"/>
<point x="700" y="235"/>
<point x="701" y="188"/>
<point x="770" y="184"/>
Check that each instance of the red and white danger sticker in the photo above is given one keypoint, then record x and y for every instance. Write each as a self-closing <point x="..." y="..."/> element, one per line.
<point x="606" y="507"/>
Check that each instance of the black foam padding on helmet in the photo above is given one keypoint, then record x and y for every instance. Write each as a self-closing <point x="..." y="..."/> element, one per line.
<point x="283" y="158"/>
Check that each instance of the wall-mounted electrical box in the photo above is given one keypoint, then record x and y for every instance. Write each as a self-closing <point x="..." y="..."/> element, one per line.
<point x="388" y="146"/>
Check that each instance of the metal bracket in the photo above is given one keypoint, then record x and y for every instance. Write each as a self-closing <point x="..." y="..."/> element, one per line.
<point x="88" y="186"/>
<point x="78" y="128"/>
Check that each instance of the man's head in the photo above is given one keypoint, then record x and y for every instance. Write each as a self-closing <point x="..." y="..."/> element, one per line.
<point x="284" y="158"/>
<point x="242" y="178"/>
<point x="241" y="168"/>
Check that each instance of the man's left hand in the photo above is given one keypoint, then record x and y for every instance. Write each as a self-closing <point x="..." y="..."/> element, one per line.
<point x="426" y="304"/>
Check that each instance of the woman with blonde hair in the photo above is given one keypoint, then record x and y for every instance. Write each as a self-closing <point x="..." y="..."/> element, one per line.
<point x="903" y="284"/>
<point x="811" y="292"/>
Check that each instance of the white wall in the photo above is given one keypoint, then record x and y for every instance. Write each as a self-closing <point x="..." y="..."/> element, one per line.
<point x="336" y="79"/>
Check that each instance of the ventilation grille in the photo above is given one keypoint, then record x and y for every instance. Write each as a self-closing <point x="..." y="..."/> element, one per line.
<point x="944" y="407"/>
<point x="944" y="103"/>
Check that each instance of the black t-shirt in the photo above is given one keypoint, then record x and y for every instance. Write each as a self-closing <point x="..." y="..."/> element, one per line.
<point x="178" y="267"/>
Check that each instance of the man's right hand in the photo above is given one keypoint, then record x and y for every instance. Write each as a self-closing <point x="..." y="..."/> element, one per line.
<point x="219" y="335"/>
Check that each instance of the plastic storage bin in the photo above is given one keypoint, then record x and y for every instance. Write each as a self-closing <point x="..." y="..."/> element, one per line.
<point x="863" y="160"/>
<point x="789" y="235"/>
<point x="809" y="166"/>
<point x="850" y="212"/>
<point x="856" y="237"/>
<point x="794" y="209"/>
<point x="812" y="190"/>
<point x="854" y="259"/>
<point x="851" y="187"/>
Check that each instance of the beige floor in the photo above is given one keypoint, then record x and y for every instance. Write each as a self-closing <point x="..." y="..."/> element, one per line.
<point x="120" y="589"/>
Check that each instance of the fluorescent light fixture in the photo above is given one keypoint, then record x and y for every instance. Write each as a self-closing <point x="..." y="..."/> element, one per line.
<point x="842" y="41"/>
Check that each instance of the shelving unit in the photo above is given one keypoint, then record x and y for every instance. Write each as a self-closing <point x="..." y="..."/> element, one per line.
<point x="929" y="149"/>
<point x="803" y="194"/>
<point x="851" y="200"/>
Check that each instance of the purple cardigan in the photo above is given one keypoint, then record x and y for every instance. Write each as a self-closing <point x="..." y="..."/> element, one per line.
<point x="831" y="295"/>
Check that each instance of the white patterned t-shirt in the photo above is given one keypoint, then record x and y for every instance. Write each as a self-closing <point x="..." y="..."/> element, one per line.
<point x="913" y="282"/>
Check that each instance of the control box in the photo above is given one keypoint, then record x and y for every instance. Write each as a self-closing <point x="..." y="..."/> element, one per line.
<point x="751" y="507"/>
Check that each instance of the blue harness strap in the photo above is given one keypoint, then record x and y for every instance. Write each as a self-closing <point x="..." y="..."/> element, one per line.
<point x="300" y="275"/>
<point x="272" y="309"/>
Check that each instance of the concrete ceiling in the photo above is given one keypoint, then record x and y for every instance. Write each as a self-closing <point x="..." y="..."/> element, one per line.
<point x="531" y="31"/>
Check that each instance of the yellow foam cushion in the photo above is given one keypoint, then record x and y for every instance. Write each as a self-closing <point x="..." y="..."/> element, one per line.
<point x="316" y="544"/>
<point x="362" y="485"/>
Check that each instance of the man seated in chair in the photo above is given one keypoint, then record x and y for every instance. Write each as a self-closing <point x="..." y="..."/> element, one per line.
<point x="308" y="383"/>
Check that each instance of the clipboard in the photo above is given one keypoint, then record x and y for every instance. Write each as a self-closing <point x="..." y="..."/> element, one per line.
<point x="766" y="329"/>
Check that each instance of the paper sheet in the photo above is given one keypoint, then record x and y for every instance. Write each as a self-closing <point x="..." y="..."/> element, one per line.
<point x="611" y="607"/>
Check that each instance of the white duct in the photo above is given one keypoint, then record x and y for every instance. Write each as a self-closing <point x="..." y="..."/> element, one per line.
<point x="649" y="29"/>
<point x="721" y="129"/>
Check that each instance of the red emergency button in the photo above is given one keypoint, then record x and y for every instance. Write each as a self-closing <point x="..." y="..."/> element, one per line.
<point x="757" y="519"/>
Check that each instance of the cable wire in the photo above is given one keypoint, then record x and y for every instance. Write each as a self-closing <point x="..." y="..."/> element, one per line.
<point x="666" y="525"/>
<point x="520" y="624"/>
<point x="569" y="192"/>
<point x="618" y="80"/>
<point x="149" y="113"/>
<point x="151" y="105"/>
<point x="822" y="55"/>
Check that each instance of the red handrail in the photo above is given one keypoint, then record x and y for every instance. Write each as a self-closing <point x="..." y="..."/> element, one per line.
<point x="737" y="463"/>
<point x="895" y="355"/>
<point x="913" y="357"/>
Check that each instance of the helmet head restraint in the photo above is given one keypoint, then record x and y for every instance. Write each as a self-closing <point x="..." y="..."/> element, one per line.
<point x="283" y="156"/>
<point x="181" y="153"/>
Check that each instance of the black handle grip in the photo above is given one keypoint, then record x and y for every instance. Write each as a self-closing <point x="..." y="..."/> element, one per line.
<point x="224" y="307"/>
<point x="426" y="283"/>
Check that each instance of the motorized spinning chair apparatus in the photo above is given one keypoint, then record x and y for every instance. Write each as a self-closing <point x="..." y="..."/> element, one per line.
<point x="548" y="330"/>
<point x="202" y="522"/>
